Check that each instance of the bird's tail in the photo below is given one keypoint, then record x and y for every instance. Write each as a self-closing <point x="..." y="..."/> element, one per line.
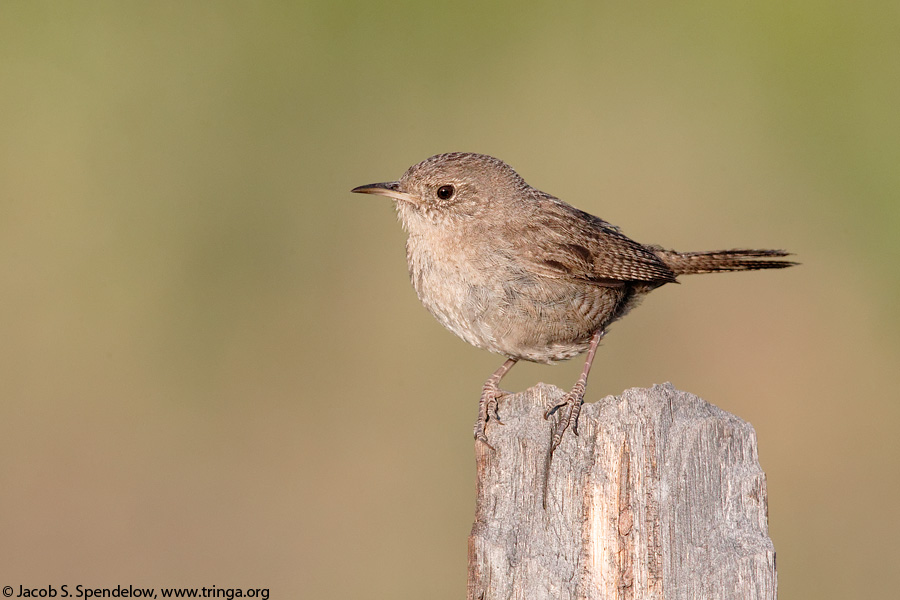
<point x="716" y="261"/>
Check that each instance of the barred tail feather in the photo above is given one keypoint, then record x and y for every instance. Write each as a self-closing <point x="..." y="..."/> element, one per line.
<point x="716" y="261"/>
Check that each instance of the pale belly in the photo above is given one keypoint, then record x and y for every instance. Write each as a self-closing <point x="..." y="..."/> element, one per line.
<point x="511" y="312"/>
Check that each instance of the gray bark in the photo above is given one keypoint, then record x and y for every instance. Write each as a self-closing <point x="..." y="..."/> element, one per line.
<point x="660" y="496"/>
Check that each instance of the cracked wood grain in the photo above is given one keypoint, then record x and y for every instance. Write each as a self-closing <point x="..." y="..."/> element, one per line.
<point x="661" y="496"/>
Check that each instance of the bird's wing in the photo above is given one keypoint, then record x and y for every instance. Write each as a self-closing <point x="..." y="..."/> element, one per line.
<point x="581" y="246"/>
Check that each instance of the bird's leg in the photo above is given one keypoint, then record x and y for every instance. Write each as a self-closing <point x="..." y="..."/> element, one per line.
<point x="490" y="393"/>
<point x="574" y="399"/>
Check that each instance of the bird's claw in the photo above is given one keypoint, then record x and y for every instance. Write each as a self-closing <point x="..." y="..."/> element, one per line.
<point x="571" y="405"/>
<point x="492" y="404"/>
<point x="480" y="437"/>
<point x="487" y="410"/>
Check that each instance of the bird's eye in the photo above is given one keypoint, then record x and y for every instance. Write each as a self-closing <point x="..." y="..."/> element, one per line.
<point x="445" y="192"/>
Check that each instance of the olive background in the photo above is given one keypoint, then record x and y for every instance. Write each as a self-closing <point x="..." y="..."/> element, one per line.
<point x="214" y="371"/>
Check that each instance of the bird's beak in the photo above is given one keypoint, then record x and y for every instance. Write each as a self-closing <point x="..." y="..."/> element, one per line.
<point x="391" y="189"/>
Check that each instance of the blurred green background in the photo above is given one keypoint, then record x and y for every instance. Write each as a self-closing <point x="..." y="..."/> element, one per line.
<point x="215" y="372"/>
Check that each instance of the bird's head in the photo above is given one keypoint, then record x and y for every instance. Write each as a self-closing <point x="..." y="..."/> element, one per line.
<point x="447" y="188"/>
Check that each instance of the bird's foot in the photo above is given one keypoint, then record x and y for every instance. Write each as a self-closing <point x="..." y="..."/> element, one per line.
<point x="571" y="405"/>
<point x="487" y="409"/>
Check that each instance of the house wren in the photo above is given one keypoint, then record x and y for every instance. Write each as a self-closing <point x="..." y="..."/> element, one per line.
<point x="516" y="271"/>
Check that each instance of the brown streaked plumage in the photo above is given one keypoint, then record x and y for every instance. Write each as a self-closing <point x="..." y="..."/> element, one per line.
<point x="516" y="271"/>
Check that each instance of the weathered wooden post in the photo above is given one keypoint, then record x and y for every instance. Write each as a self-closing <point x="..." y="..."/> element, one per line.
<point x="660" y="496"/>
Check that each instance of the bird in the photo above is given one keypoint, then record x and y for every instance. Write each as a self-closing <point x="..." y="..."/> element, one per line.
<point x="518" y="272"/>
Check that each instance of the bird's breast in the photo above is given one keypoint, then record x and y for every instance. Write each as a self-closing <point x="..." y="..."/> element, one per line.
<point x="451" y="286"/>
<point x="490" y="300"/>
